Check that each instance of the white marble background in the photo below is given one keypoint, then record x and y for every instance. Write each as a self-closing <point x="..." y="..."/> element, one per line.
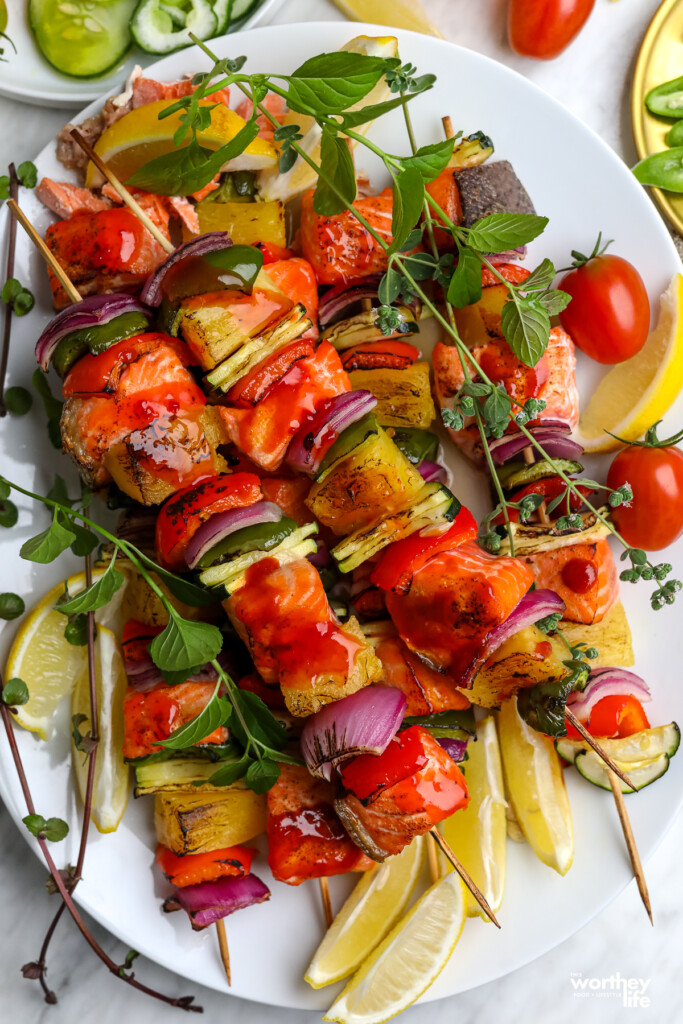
<point x="592" y="78"/>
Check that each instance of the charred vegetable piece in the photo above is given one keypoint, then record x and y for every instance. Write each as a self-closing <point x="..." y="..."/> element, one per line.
<point x="404" y="397"/>
<point x="194" y="868"/>
<point x="246" y="222"/>
<point x="491" y="188"/>
<point x="192" y="822"/>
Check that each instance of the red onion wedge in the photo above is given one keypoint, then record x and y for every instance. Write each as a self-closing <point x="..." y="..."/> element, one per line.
<point x="556" y="444"/>
<point x="607" y="682"/>
<point x="340" y="299"/>
<point x="152" y="292"/>
<point x="208" y="902"/>
<point x="220" y="526"/>
<point x="311" y="442"/>
<point x="535" y="605"/>
<point x="432" y="472"/>
<point x="456" y="749"/>
<point x="509" y="254"/>
<point x="363" y="723"/>
<point x="95" y="311"/>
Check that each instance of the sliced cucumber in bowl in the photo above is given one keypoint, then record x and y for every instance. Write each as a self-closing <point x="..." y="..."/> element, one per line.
<point x="80" y="38"/>
<point x="161" y="27"/>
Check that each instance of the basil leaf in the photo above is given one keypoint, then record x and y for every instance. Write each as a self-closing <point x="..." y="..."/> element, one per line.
<point x="184" y="590"/>
<point x="230" y="773"/>
<point x="554" y="301"/>
<point x="175" y="678"/>
<point x="526" y="328"/>
<point x="216" y="713"/>
<point x="86" y="541"/>
<point x="336" y="163"/>
<point x="332" y="82"/>
<point x="540" y="278"/>
<point x="184" y="644"/>
<point x="96" y="595"/>
<point x="465" y="285"/>
<point x="15" y="691"/>
<point x="354" y="118"/>
<point x="501" y="231"/>
<point x="408" y="195"/>
<point x="258" y="719"/>
<point x="188" y="169"/>
<point x="262" y="775"/>
<point x="430" y="161"/>
<point x="11" y="606"/>
<point x="49" y="544"/>
<point x="389" y="287"/>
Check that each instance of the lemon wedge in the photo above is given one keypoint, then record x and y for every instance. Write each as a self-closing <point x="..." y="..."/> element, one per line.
<point x="272" y="184"/>
<point x="377" y="901"/>
<point x="45" y="660"/>
<point x="140" y="136"/>
<point x="397" y="13"/>
<point x="535" y="786"/>
<point x="637" y="393"/>
<point x="477" y="834"/>
<point x="111" y="783"/>
<point x="408" y="961"/>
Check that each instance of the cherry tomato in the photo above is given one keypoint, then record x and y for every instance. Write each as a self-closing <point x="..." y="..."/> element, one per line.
<point x="543" y="28"/>
<point x="614" y="716"/>
<point x="609" y="315"/>
<point x="654" y="519"/>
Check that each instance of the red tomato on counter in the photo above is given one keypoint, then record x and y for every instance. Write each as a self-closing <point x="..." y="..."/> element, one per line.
<point x="543" y="28"/>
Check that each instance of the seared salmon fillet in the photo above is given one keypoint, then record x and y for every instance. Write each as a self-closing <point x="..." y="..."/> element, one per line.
<point x="454" y="601"/>
<point x="426" y="691"/>
<point x="584" y="575"/>
<point x="65" y="199"/>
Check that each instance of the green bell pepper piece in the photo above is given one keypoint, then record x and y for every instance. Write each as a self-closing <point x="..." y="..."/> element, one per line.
<point x="262" y="536"/>
<point x="416" y="444"/>
<point x="96" y="340"/>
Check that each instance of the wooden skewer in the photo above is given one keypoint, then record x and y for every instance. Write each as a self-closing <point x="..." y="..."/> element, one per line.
<point x="47" y="255"/>
<point x="123" y="192"/>
<point x="223" y="946"/>
<point x="327" y="902"/>
<point x="592" y="742"/>
<point x="466" y="877"/>
<point x="433" y="862"/>
<point x="449" y="131"/>
<point x="528" y="454"/>
<point x="634" y="856"/>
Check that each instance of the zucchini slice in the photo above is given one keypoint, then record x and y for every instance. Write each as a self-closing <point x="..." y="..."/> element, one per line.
<point x="642" y="746"/>
<point x="231" y="574"/>
<point x="361" y="328"/>
<point x="267" y="344"/>
<point x="641" y="773"/>
<point x="534" y="537"/>
<point x="519" y="474"/>
<point x="177" y="774"/>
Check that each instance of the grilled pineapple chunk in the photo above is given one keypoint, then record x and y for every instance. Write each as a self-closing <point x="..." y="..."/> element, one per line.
<point x="292" y="325"/>
<point x="190" y="822"/>
<point x="611" y="637"/>
<point x="519" y="663"/>
<point x="375" y="480"/>
<point x="246" y="223"/>
<point x="404" y="397"/>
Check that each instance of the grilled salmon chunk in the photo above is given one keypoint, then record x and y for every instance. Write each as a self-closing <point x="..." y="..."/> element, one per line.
<point x="584" y="575"/>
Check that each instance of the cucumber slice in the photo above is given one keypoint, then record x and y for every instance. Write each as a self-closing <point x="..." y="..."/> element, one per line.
<point x="641" y="773"/>
<point x="223" y="11"/>
<point x="230" y="575"/>
<point x="80" y="38"/>
<point x="642" y="746"/>
<point x="178" y="773"/>
<point x="160" y="27"/>
<point x="240" y="9"/>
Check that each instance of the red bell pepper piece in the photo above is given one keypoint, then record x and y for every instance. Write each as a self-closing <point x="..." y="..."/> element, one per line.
<point x="193" y="868"/>
<point x="401" y="560"/>
<point x="614" y="716"/>
<point x="374" y="355"/>
<point x="256" y="384"/>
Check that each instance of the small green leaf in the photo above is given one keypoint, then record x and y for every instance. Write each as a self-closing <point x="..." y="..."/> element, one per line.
<point x="59" y="493"/>
<point x="430" y="161"/>
<point x="216" y="713"/>
<point x="453" y="419"/>
<point x="420" y="265"/>
<point x="186" y="591"/>
<point x="496" y="410"/>
<point x="389" y="287"/>
<point x="49" y="544"/>
<point x="96" y="595"/>
<point x="53" y="407"/>
<point x="259" y="719"/>
<point x="18" y="400"/>
<point x="501" y="231"/>
<point x="188" y="169"/>
<point x="262" y="775"/>
<point x="27" y="173"/>
<point x="11" y="289"/>
<point x="14" y="692"/>
<point x="24" y="302"/>
<point x="336" y="164"/>
<point x="9" y="513"/>
<point x="554" y="301"/>
<point x="465" y="285"/>
<point x="11" y="606"/>
<point x="540" y="278"/>
<point x="354" y="118"/>
<point x="408" y="195"/>
<point x="185" y="644"/>
<point x="4" y="186"/>
<point x="231" y="772"/>
<point x="35" y="823"/>
<point x="86" y="541"/>
<point x="5" y="489"/>
<point x="55" y="830"/>
<point x="330" y="83"/>
<point x="76" y="631"/>
<point x="526" y="328"/>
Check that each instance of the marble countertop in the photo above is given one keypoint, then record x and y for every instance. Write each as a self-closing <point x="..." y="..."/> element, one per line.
<point x="592" y="79"/>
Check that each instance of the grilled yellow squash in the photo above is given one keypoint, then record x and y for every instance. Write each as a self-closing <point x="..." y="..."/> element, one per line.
<point x="404" y="397"/>
<point x="190" y="822"/>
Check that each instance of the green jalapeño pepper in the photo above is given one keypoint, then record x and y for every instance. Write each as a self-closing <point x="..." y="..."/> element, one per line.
<point x="666" y="100"/>
<point x="350" y="439"/>
<point x="662" y="170"/>
<point x="96" y="340"/>
<point x="416" y="444"/>
<point x="674" y="137"/>
<point x="261" y="537"/>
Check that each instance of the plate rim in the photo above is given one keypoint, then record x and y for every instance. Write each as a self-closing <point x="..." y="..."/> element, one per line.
<point x="361" y="27"/>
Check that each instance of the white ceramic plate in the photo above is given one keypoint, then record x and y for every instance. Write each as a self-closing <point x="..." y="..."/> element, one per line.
<point x="27" y="76"/>
<point x="583" y="187"/>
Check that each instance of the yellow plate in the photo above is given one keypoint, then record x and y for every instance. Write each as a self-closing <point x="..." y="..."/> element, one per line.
<point x="659" y="60"/>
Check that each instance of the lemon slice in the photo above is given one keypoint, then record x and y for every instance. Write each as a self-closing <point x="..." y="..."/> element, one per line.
<point x="397" y="13"/>
<point x="140" y="136"/>
<point x="411" y="957"/>
<point x="43" y="658"/>
<point x="111" y="783"/>
<point x="535" y="786"/>
<point x="377" y="901"/>
<point x="637" y="393"/>
<point x="477" y="834"/>
<point x="272" y="184"/>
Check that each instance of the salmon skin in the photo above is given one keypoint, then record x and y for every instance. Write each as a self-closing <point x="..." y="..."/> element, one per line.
<point x="552" y="380"/>
<point x="305" y="837"/>
<point x="454" y="601"/>
<point x="584" y="576"/>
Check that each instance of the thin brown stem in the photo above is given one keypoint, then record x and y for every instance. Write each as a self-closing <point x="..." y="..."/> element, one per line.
<point x="11" y="249"/>
<point x="599" y="750"/>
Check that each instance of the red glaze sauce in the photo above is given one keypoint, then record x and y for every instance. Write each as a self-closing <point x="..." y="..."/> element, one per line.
<point x="580" y="575"/>
<point x="521" y="382"/>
